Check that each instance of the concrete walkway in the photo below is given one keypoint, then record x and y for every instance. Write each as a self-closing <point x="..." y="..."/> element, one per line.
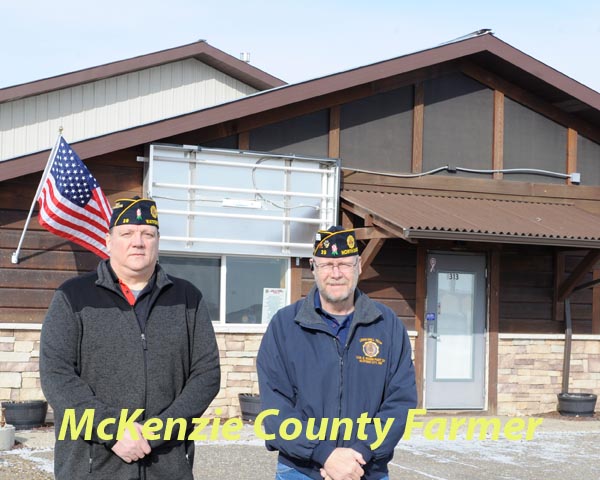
<point x="560" y="448"/>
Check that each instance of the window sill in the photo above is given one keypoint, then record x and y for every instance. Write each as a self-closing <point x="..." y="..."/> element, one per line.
<point x="240" y="327"/>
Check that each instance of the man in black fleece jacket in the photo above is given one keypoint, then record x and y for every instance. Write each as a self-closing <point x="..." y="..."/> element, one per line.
<point x="128" y="342"/>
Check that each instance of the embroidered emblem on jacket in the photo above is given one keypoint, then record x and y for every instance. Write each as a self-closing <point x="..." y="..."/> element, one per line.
<point x="371" y="348"/>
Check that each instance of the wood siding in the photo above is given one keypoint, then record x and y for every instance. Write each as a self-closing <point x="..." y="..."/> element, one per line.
<point x="390" y="279"/>
<point x="527" y="291"/>
<point x="527" y="276"/>
<point x="47" y="260"/>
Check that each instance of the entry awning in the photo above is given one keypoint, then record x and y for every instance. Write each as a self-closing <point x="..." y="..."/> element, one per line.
<point x="475" y="219"/>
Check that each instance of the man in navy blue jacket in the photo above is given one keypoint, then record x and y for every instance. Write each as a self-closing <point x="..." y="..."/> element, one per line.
<point x="337" y="365"/>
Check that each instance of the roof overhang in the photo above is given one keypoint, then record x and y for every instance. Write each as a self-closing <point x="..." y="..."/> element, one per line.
<point x="415" y="217"/>
<point x="201" y="51"/>
<point x="485" y="50"/>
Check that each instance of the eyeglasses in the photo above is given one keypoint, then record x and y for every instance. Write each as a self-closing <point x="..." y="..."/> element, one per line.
<point x="344" y="267"/>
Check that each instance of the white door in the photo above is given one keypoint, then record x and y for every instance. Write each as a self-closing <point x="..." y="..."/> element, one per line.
<point x="455" y="320"/>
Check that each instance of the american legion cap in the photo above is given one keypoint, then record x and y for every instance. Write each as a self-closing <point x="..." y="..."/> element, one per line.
<point x="335" y="242"/>
<point x="134" y="211"/>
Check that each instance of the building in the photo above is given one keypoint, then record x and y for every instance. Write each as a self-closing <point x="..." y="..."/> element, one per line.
<point x="472" y="173"/>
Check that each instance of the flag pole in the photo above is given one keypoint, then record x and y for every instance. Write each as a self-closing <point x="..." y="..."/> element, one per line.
<point x="15" y="255"/>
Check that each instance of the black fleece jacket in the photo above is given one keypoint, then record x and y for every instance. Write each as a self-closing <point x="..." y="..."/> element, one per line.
<point x="94" y="355"/>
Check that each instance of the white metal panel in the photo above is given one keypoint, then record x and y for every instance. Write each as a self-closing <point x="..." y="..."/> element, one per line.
<point x="217" y="201"/>
<point x="78" y="124"/>
<point x="86" y="111"/>
<point x="133" y="94"/>
<point x="19" y="122"/>
<point x="89" y="119"/>
<point x="41" y="110"/>
<point x="29" y="117"/>
<point x="53" y="119"/>
<point x="5" y="130"/>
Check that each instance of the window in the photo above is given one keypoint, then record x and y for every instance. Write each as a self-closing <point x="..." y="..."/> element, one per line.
<point x="247" y="280"/>
<point x="237" y="289"/>
<point x="231" y="220"/>
<point x="204" y="273"/>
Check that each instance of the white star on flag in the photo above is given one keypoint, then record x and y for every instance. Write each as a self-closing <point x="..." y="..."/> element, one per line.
<point x="74" y="207"/>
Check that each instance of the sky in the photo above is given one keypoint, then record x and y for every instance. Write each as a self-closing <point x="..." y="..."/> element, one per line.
<point x="292" y="40"/>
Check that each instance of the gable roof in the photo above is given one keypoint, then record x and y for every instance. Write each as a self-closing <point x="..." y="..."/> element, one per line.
<point x="200" y="50"/>
<point x="485" y="53"/>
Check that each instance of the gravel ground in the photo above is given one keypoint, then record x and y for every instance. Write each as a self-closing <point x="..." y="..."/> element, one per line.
<point x="561" y="448"/>
<point x="26" y="463"/>
<point x="18" y="468"/>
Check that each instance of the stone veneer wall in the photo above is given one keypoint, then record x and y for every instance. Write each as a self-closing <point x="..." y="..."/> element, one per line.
<point x="20" y="377"/>
<point x="19" y="365"/>
<point x="238" y="371"/>
<point x="529" y="375"/>
<point x="530" y="371"/>
<point x="237" y="352"/>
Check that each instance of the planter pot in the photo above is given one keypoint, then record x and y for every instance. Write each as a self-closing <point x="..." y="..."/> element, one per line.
<point x="249" y="405"/>
<point x="576" y="404"/>
<point x="7" y="437"/>
<point x="25" y="415"/>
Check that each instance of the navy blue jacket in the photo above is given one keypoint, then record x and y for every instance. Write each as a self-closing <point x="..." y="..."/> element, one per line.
<point x="305" y="373"/>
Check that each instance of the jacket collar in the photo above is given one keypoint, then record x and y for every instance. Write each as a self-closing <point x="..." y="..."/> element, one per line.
<point x="108" y="279"/>
<point x="365" y="311"/>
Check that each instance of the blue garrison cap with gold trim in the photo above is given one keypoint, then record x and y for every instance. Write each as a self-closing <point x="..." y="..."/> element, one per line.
<point x="134" y="211"/>
<point x="335" y="242"/>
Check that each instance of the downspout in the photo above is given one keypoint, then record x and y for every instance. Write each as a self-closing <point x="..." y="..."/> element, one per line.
<point x="569" y="334"/>
<point x="567" y="351"/>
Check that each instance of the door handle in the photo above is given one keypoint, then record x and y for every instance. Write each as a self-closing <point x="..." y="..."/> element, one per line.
<point x="434" y="335"/>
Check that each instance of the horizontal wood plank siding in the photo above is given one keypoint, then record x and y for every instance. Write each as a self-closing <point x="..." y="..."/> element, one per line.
<point x="47" y="260"/>
<point x="527" y="289"/>
<point x="390" y="279"/>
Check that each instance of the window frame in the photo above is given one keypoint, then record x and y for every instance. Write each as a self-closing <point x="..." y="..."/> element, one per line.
<point x="220" y="325"/>
<point x="246" y="209"/>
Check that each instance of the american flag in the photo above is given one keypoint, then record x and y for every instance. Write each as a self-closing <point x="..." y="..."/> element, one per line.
<point x="71" y="202"/>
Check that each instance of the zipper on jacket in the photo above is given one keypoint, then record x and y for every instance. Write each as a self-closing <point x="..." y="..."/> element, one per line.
<point x="145" y="347"/>
<point x="91" y="458"/>
<point x="141" y="464"/>
<point x="341" y="386"/>
<point x="145" y="352"/>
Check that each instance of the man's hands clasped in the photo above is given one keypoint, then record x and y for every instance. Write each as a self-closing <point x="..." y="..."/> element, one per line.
<point x="130" y="450"/>
<point x="343" y="464"/>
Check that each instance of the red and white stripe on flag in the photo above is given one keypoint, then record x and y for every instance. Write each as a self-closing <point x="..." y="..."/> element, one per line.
<point x="71" y="203"/>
